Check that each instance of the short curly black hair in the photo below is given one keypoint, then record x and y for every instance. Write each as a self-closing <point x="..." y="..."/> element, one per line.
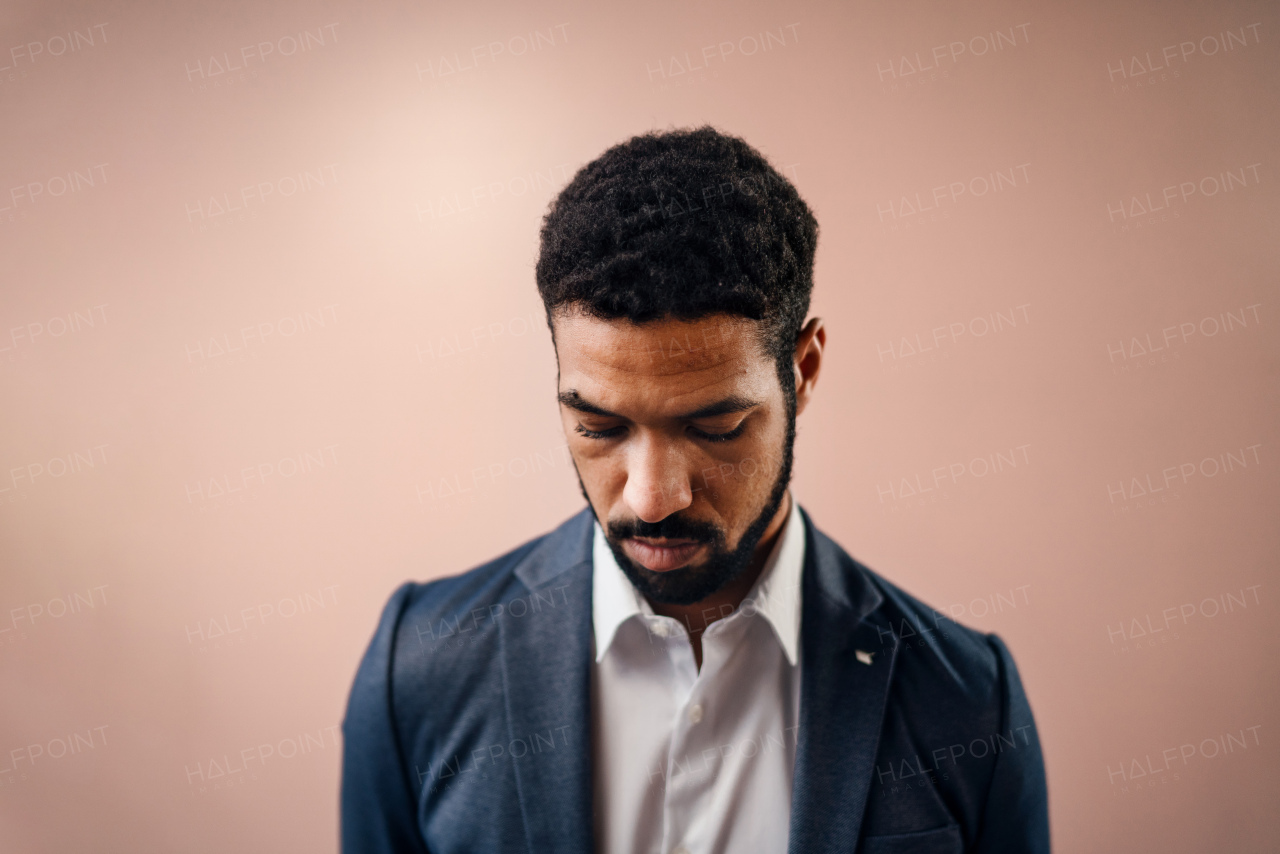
<point x="682" y="224"/>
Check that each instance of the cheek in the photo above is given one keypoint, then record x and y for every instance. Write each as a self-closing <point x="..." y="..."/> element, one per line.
<point x="601" y="472"/>
<point x="740" y="478"/>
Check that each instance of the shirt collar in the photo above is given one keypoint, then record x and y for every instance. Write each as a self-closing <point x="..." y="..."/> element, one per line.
<point x="775" y="595"/>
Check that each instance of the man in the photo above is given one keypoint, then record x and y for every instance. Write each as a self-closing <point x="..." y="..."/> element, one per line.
<point x="688" y="664"/>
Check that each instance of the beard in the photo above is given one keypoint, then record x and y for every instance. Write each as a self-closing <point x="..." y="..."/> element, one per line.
<point x="690" y="584"/>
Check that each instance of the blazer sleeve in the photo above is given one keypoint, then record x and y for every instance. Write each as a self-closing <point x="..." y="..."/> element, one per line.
<point x="378" y="805"/>
<point x="1016" y="813"/>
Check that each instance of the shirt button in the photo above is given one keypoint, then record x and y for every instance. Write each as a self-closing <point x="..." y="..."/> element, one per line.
<point x="658" y="628"/>
<point x="695" y="715"/>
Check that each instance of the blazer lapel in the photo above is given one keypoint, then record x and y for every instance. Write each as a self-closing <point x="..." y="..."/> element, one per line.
<point x="546" y="661"/>
<point x="842" y="698"/>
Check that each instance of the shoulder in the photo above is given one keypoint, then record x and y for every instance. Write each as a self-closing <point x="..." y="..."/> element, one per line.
<point x="934" y="648"/>
<point x="432" y="678"/>
<point x="455" y="595"/>
<point x="931" y="645"/>
<point x="462" y="597"/>
<point x="437" y="643"/>
<point x="945" y="674"/>
<point x="423" y="620"/>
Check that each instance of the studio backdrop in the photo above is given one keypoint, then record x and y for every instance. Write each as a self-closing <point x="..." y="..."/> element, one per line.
<point x="270" y="345"/>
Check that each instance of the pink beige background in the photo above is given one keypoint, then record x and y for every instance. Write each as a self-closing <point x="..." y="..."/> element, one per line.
<point x="270" y="345"/>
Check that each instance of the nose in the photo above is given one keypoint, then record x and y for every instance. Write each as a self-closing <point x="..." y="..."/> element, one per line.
<point x="657" y="481"/>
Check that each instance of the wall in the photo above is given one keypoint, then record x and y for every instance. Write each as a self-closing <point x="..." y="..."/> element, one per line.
<point x="270" y="345"/>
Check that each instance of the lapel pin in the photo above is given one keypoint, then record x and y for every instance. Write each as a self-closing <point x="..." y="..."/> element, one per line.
<point x="863" y="655"/>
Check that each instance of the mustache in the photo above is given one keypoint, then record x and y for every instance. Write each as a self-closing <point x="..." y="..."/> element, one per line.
<point x="672" y="528"/>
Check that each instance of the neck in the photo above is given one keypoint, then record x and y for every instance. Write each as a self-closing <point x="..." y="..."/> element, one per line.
<point x="698" y="616"/>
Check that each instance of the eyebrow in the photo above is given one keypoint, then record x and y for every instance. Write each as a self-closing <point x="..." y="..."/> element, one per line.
<point x="732" y="403"/>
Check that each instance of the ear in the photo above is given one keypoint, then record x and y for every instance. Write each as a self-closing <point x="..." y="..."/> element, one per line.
<point x="808" y="360"/>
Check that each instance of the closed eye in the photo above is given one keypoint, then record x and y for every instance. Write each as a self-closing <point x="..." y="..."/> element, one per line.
<point x="719" y="437"/>
<point x="599" y="434"/>
<point x="614" y="432"/>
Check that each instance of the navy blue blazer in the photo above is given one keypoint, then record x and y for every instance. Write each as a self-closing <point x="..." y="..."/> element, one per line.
<point x="468" y="727"/>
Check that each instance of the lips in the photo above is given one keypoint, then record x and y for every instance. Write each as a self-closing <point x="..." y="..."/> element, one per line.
<point x="660" y="555"/>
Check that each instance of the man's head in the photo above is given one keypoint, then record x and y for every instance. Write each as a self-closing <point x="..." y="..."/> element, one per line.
<point x="676" y="271"/>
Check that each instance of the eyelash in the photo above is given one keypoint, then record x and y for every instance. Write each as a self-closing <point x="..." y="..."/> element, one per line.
<point x="721" y="437"/>
<point x="706" y="437"/>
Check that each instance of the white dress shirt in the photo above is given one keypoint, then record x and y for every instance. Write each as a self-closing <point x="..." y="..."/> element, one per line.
<point x="688" y="761"/>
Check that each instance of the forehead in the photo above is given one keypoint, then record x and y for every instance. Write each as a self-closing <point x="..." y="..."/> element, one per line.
<point x="660" y="364"/>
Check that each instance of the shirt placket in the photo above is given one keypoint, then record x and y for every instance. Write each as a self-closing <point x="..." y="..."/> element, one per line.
<point x="692" y="756"/>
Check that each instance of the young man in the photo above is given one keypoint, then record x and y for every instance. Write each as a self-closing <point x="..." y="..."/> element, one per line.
<point x="688" y="664"/>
